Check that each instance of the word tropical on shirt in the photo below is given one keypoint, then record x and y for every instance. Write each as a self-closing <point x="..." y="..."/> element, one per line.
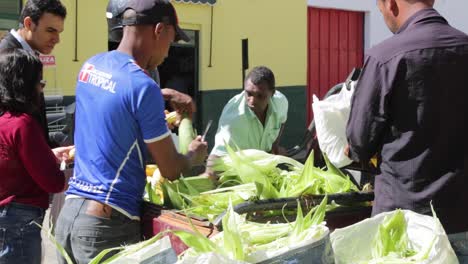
<point x="89" y="74"/>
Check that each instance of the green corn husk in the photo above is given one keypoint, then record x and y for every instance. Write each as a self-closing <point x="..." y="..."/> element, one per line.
<point x="267" y="164"/>
<point x="300" y="229"/>
<point x="265" y="161"/>
<point x="152" y="193"/>
<point x="172" y="195"/>
<point x="57" y="245"/>
<point x="233" y="239"/>
<point x="242" y="240"/>
<point x="392" y="238"/>
<point x="125" y="250"/>
<point x="315" y="181"/>
<point x="200" y="183"/>
<point x="248" y="172"/>
<point x="186" y="134"/>
<point x="196" y="241"/>
<point x="178" y="193"/>
<point x="212" y="203"/>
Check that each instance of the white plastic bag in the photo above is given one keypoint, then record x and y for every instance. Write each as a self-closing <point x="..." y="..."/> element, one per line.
<point x="352" y="244"/>
<point x="311" y="247"/>
<point x="331" y="116"/>
<point x="313" y="243"/>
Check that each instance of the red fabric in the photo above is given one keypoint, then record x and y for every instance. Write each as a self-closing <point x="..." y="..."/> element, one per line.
<point x="28" y="169"/>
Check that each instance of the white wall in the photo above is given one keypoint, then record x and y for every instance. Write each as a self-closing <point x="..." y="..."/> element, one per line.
<point x="455" y="11"/>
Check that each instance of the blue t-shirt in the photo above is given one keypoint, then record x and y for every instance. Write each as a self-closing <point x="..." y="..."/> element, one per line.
<point x="119" y="108"/>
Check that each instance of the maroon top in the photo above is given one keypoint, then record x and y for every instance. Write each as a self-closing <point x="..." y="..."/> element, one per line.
<point x="28" y="168"/>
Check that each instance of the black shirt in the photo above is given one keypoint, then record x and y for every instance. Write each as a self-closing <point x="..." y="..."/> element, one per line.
<point x="410" y="105"/>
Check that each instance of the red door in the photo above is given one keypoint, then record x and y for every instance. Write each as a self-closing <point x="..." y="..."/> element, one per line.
<point x="335" y="47"/>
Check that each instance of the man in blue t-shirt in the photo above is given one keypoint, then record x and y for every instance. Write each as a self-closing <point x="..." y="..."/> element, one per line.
<point x="120" y="112"/>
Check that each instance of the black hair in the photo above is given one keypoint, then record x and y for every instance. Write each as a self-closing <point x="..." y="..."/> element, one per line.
<point x="36" y="8"/>
<point x="262" y="74"/>
<point x="20" y="74"/>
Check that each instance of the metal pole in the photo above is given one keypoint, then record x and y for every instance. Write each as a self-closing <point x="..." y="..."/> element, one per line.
<point x="245" y="59"/>
<point x="211" y="38"/>
<point x="76" y="31"/>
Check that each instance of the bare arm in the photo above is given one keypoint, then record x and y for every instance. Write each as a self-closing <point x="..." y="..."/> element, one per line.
<point x="275" y="148"/>
<point x="209" y="167"/>
<point x="171" y="163"/>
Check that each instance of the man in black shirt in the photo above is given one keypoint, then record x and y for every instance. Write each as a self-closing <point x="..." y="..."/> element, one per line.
<point x="410" y="106"/>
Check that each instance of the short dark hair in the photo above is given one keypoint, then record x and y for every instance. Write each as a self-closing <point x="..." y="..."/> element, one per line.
<point x="20" y="73"/>
<point x="36" y="8"/>
<point x="261" y="74"/>
<point x="429" y="2"/>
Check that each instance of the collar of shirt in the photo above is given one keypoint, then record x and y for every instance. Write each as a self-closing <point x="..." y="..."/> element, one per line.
<point x="418" y="17"/>
<point x="23" y="42"/>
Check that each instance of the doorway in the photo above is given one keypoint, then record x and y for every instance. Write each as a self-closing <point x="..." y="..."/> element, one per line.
<point x="179" y="71"/>
<point x="335" y="47"/>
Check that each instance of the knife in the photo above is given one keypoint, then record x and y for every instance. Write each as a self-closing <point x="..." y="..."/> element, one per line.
<point x="206" y="130"/>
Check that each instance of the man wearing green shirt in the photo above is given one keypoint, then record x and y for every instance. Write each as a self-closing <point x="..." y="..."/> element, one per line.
<point x="253" y="119"/>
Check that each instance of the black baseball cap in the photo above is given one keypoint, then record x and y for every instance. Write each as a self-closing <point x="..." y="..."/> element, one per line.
<point x="153" y="12"/>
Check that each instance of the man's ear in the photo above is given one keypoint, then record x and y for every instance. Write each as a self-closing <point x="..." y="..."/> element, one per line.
<point x="28" y="23"/>
<point x="158" y="29"/>
<point x="394" y="7"/>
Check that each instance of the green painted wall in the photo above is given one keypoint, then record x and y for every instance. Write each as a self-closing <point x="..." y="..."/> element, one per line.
<point x="212" y="103"/>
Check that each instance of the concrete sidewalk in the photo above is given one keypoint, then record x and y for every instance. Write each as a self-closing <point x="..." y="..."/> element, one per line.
<point x="49" y="253"/>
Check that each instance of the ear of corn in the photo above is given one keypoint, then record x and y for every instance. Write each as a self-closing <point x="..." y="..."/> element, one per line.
<point x="250" y="173"/>
<point x="244" y="240"/>
<point x="243" y="170"/>
<point x="392" y="237"/>
<point x="186" y="135"/>
<point x="171" y="117"/>
<point x="71" y="154"/>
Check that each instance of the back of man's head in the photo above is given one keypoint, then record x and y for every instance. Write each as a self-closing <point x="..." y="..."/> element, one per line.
<point x="261" y="74"/>
<point x="36" y="8"/>
<point x="427" y="2"/>
<point x="122" y="13"/>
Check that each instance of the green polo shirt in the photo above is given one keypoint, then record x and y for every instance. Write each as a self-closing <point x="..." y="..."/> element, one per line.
<point x="239" y="125"/>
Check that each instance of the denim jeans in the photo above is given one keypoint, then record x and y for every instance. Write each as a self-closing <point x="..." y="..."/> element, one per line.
<point x="459" y="242"/>
<point x="84" y="236"/>
<point x="20" y="237"/>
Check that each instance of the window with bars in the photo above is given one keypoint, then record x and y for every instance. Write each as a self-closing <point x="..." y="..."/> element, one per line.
<point x="9" y="13"/>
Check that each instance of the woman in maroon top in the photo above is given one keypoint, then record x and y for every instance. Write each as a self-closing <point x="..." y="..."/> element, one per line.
<point x="29" y="169"/>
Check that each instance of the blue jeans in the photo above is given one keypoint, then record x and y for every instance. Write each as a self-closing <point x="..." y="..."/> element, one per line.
<point x="84" y="236"/>
<point x="20" y="237"/>
<point x="459" y="242"/>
